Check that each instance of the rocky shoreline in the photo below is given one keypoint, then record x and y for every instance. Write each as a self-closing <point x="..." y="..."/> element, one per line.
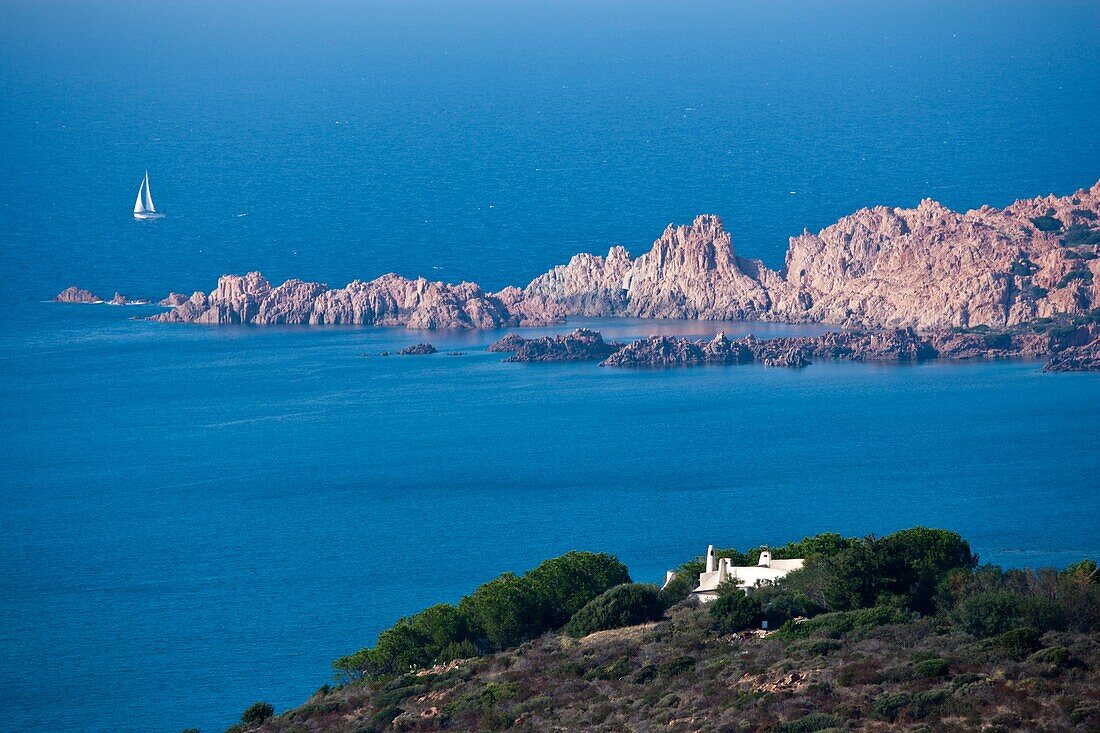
<point x="926" y="270"/>
<point x="1068" y="348"/>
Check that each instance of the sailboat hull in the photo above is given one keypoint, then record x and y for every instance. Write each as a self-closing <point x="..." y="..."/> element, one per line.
<point x="147" y="215"/>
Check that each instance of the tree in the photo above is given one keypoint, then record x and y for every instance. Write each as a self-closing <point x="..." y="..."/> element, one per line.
<point x="565" y="584"/>
<point x="506" y="611"/>
<point x="623" y="605"/>
<point x="735" y="611"/>
<point x="257" y="713"/>
<point x="917" y="559"/>
<point x="854" y="576"/>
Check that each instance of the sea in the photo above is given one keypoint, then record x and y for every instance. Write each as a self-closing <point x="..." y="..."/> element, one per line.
<point x="193" y="518"/>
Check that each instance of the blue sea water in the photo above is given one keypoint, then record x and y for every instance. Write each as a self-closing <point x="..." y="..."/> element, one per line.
<point x="194" y="518"/>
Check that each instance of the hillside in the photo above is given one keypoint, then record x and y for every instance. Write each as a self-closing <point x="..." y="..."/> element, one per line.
<point x="905" y="632"/>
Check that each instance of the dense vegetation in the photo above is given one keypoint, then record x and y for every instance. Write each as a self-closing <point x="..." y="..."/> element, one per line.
<point x="904" y="631"/>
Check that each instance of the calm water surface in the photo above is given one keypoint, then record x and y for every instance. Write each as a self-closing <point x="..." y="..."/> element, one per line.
<point x="195" y="518"/>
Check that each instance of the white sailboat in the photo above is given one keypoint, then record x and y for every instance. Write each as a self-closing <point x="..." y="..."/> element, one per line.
<point x="143" y="207"/>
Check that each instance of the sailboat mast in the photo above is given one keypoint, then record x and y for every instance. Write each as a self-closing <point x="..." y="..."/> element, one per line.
<point x="139" y="205"/>
<point x="148" y="195"/>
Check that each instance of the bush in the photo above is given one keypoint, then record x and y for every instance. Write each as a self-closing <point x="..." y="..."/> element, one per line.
<point x="834" y="625"/>
<point x="735" y="612"/>
<point x="1082" y="275"/>
<point x="1017" y="642"/>
<point x="1023" y="267"/>
<point x="623" y="605"/>
<point x="677" y="666"/>
<point x="931" y="668"/>
<point x="990" y="613"/>
<point x="782" y="602"/>
<point x="810" y="723"/>
<point x="257" y="713"/>
<point x="1046" y="223"/>
<point x="1057" y="656"/>
<point x="1079" y="234"/>
<point x="889" y="707"/>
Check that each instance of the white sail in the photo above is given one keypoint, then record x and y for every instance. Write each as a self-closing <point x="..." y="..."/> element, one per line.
<point x="148" y="196"/>
<point x="139" y="205"/>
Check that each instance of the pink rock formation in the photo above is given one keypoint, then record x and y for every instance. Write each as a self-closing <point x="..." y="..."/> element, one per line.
<point x="925" y="268"/>
<point x="73" y="294"/>
<point x="931" y="267"/>
<point x="390" y="300"/>
<point x="690" y="272"/>
<point x="172" y="300"/>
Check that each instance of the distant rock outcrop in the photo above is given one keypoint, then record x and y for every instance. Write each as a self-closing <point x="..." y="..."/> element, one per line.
<point x="580" y="345"/>
<point x="73" y="294"/>
<point x="390" y="300"/>
<point x="172" y="300"/>
<point x="418" y="350"/>
<point x="927" y="268"/>
<point x="1070" y="348"/>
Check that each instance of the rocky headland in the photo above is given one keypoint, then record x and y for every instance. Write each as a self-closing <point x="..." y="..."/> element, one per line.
<point x="1069" y="348"/>
<point x="924" y="268"/>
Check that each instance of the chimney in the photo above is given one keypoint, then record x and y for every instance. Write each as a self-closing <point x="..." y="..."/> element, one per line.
<point x="711" y="564"/>
<point x="723" y="570"/>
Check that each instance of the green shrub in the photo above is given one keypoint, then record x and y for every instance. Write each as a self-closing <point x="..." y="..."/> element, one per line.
<point x="810" y="723"/>
<point x="1017" y="642"/>
<point x="1023" y="267"/>
<point x="889" y="707"/>
<point x="931" y="668"/>
<point x="998" y="341"/>
<point x="677" y="666"/>
<point x="257" y="713"/>
<point x="1082" y="275"/>
<point x="646" y="674"/>
<point x="1079" y="234"/>
<point x="835" y="625"/>
<point x="786" y="600"/>
<point x="617" y="670"/>
<point x="381" y="720"/>
<point x="990" y="613"/>
<point x="623" y="605"/>
<point x="1057" y="656"/>
<point x="923" y="704"/>
<point x="735" y="611"/>
<point x="1046" y="223"/>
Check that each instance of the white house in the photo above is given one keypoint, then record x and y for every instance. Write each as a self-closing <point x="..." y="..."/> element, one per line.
<point x="718" y="571"/>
